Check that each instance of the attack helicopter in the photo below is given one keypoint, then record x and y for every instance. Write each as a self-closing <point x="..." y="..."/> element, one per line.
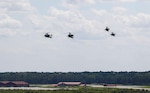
<point x="47" y="35"/>
<point x="107" y="29"/>
<point x="70" y="35"/>
<point x="112" y="34"/>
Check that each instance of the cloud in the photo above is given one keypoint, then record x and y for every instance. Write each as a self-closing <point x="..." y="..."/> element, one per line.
<point x="128" y="0"/>
<point x="16" y="6"/>
<point x="8" y="25"/>
<point x="99" y="12"/>
<point x="8" y="22"/>
<point x="119" y="9"/>
<point x="13" y="15"/>
<point x="81" y="1"/>
<point x="61" y="21"/>
<point x="91" y="2"/>
<point x="68" y="20"/>
<point x="73" y="21"/>
<point x="140" y="20"/>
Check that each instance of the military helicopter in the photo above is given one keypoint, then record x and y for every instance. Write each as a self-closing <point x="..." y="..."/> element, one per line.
<point x="112" y="34"/>
<point x="70" y="35"/>
<point x="107" y="29"/>
<point x="47" y="35"/>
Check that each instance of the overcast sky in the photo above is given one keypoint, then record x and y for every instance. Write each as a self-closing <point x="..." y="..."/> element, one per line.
<point x="23" y="46"/>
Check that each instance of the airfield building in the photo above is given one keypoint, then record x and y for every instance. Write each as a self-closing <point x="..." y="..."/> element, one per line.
<point x="70" y="84"/>
<point x="13" y="84"/>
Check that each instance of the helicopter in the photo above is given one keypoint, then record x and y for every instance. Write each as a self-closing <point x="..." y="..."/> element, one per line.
<point x="112" y="34"/>
<point x="107" y="29"/>
<point x="70" y="35"/>
<point x="47" y="35"/>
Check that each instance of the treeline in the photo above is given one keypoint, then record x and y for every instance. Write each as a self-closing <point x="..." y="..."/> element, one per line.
<point x="133" y="78"/>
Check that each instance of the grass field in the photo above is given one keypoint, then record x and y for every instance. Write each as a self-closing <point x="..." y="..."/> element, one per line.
<point x="80" y="90"/>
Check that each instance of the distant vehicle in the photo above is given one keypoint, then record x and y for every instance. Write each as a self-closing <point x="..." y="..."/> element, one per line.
<point x="112" y="34"/>
<point x="47" y="35"/>
<point x="70" y="35"/>
<point x="107" y="29"/>
<point x="110" y="85"/>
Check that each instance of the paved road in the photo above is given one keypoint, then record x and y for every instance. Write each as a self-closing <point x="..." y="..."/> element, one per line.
<point x="122" y="87"/>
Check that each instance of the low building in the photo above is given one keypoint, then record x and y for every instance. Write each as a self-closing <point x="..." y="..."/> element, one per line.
<point x="13" y="84"/>
<point x="69" y="84"/>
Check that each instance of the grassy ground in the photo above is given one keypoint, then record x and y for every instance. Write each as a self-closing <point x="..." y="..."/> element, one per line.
<point x="146" y="87"/>
<point x="80" y="90"/>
